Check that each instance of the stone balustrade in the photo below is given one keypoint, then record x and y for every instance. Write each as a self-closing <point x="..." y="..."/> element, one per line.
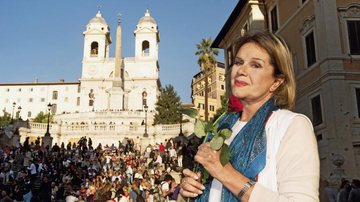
<point x="110" y="128"/>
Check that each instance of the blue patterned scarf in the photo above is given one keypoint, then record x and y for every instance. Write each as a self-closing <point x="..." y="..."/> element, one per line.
<point x="247" y="150"/>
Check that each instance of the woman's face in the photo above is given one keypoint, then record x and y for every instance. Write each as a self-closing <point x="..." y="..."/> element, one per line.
<point x="252" y="75"/>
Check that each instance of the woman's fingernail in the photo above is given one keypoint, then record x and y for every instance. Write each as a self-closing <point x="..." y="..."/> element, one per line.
<point x="200" y="192"/>
<point x="196" y="177"/>
<point x="202" y="187"/>
<point x="195" y="194"/>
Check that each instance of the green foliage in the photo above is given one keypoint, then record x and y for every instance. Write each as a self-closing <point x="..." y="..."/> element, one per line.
<point x="217" y="142"/>
<point x="41" y="117"/>
<point x="5" y="120"/>
<point x="167" y="106"/>
<point x="223" y="109"/>
<point x="199" y="129"/>
<point x="225" y="154"/>
<point x="207" y="62"/>
<point x="191" y="112"/>
<point x="203" y="129"/>
<point x="206" y="54"/>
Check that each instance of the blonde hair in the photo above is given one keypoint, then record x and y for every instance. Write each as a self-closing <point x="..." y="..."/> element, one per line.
<point x="281" y="60"/>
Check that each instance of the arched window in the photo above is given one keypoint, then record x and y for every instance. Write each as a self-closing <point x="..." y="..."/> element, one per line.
<point x="91" y="98"/>
<point x="145" y="48"/>
<point x="94" y="49"/>
<point x="55" y="95"/>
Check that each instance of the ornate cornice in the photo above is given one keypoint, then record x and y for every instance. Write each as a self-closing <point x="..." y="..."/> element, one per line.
<point x="351" y="11"/>
<point x="308" y="23"/>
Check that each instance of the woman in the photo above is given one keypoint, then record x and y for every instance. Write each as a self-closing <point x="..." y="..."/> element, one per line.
<point x="273" y="151"/>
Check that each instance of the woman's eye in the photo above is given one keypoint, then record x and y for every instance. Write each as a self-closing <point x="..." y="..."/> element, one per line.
<point x="256" y="65"/>
<point x="237" y="63"/>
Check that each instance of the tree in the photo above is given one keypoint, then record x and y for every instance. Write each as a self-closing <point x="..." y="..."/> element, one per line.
<point x="167" y="106"/>
<point x="41" y="117"/>
<point x="207" y="62"/>
<point x="224" y="107"/>
<point x="5" y="120"/>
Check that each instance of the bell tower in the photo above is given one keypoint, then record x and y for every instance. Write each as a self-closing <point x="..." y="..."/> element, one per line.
<point x="146" y="37"/>
<point x="96" y="46"/>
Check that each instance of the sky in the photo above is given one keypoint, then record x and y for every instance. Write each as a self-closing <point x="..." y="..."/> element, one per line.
<point x="42" y="39"/>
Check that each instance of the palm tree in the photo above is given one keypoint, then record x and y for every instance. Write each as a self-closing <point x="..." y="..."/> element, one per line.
<point x="207" y="62"/>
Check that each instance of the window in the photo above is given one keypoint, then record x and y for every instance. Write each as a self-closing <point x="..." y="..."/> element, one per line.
<point x="78" y="101"/>
<point x="66" y="99"/>
<point x="91" y="102"/>
<point x="230" y="56"/>
<point x="30" y="99"/>
<point x="19" y="89"/>
<point x="31" y="89"/>
<point x="55" y="95"/>
<point x="221" y="77"/>
<point x="274" y="19"/>
<point x="316" y="110"/>
<point x="79" y="89"/>
<point x="29" y="114"/>
<point x="310" y="49"/>
<point x="42" y="100"/>
<point x="145" y="48"/>
<point x="319" y="137"/>
<point x="354" y="36"/>
<point x="357" y="93"/>
<point x="53" y="108"/>
<point x="212" y="108"/>
<point x="356" y="149"/>
<point x="8" y="90"/>
<point x="94" y="49"/>
<point x="222" y="87"/>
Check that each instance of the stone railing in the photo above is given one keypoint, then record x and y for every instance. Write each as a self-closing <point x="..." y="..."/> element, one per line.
<point x="105" y="134"/>
<point x="67" y="129"/>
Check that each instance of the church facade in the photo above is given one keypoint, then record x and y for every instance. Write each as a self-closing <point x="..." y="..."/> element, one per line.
<point x="114" y="98"/>
<point x="106" y="83"/>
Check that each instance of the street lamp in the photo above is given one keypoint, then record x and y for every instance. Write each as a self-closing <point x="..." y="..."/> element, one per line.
<point x="48" y="122"/>
<point x="146" y="109"/>
<point x="19" y="110"/>
<point x="181" y="124"/>
<point x="12" y="115"/>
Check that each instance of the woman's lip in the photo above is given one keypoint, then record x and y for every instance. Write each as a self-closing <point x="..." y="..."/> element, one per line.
<point x="240" y="83"/>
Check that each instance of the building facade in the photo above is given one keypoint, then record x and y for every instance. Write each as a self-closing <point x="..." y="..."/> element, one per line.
<point x="106" y="84"/>
<point x="324" y="38"/>
<point x="216" y="89"/>
<point x="112" y="92"/>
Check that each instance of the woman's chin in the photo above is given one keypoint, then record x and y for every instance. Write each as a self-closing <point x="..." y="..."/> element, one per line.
<point x="238" y="96"/>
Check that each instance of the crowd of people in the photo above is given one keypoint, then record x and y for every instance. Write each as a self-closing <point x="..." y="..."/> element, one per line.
<point x="348" y="191"/>
<point x="79" y="172"/>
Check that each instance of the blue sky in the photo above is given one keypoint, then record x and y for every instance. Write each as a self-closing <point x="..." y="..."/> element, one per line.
<point x="43" y="39"/>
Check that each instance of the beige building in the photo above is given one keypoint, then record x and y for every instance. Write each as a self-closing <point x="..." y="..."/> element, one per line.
<point x="216" y="89"/>
<point x="324" y="38"/>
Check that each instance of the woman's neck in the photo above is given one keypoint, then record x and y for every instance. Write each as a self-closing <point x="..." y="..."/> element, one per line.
<point x="249" y="109"/>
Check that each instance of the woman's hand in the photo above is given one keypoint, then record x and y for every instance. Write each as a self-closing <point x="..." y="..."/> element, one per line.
<point x="210" y="159"/>
<point x="190" y="185"/>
